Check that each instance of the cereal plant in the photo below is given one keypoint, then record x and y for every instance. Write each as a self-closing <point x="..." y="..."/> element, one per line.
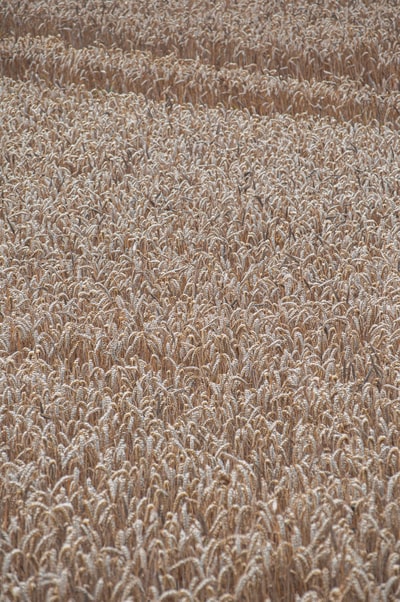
<point x="200" y="308"/>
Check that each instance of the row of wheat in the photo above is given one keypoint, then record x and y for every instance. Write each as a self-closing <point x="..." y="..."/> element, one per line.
<point x="316" y="40"/>
<point x="190" y="81"/>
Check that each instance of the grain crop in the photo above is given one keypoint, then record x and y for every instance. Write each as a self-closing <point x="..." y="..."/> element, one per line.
<point x="200" y="301"/>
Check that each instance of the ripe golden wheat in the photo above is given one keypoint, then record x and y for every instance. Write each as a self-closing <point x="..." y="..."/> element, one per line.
<point x="200" y="309"/>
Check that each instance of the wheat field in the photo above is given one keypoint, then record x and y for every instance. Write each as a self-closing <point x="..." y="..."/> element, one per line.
<point x="200" y="301"/>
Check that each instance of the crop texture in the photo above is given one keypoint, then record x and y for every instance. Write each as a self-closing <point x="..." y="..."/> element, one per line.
<point x="200" y="301"/>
